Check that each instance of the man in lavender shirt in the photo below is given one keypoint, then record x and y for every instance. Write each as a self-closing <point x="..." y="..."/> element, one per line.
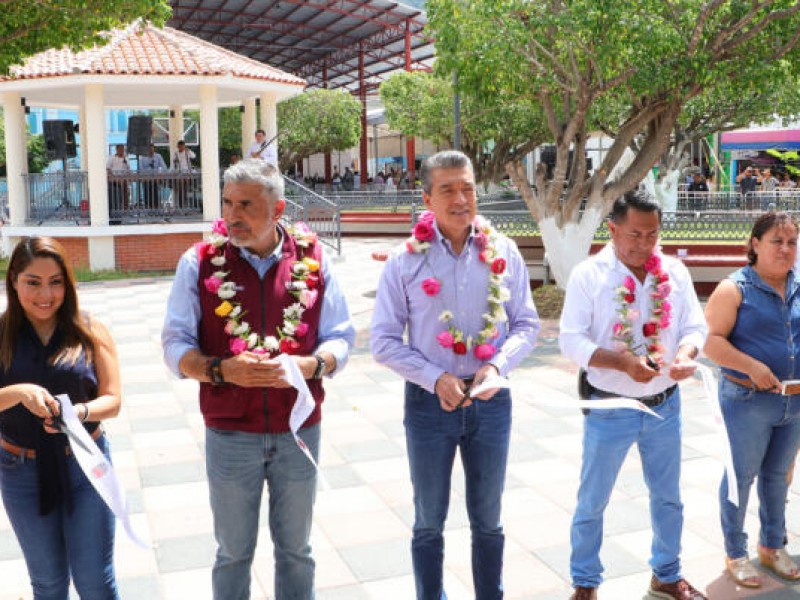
<point x="461" y="293"/>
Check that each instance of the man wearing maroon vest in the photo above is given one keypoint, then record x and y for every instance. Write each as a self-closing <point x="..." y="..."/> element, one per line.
<point x="234" y="305"/>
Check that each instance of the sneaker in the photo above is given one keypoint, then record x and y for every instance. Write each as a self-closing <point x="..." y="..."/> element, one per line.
<point x="584" y="593"/>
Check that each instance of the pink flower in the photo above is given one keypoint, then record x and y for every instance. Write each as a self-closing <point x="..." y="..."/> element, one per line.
<point x="630" y="298"/>
<point x="663" y="289"/>
<point x="308" y="297"/>
<point x="212" y="284"/>
<point x="238" y="345"/>
<point x="219" y="226"/>
<point x="423" y="231"/>
<point x="409" y="247"/>
<point x="484" y="351"/>
<point x="498" y="266"/>
<point x="653" y="264"/>
<point x="427" y="217"/>
<point x="301" y="329"/>
<point x="445" y="339"/>
<point x="666" y="307"/>
<point x="431" y="286"/>
<point x="662" y="277"/>
<point x="664" y="322"/>
<point x="483" y="256"/>
<point x="633" y="314"/>
<point x="229" y="327"/>
<point x="208" y="250"/>
<point x="259" y="350"/>
<point x="649" y="329"/>
<point x="629" y="283"/>
<point x="618" y="329"/>
<point x="481" y="241"/>
<point x="460" y="348"/>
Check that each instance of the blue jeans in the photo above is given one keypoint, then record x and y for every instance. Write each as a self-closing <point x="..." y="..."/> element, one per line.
<point x="764" y="431"/>
<point x="237" y="464"/>
<point x="59" y="545"/>
<point x="481" y="432"/>
<point x="607" y="437"/>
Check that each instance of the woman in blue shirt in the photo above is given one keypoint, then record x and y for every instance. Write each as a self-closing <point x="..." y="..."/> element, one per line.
<point x="754" y="335"/>
<point x="47" y="347"/>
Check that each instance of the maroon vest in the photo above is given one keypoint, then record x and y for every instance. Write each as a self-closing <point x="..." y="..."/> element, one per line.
<point x="256" y="410"/>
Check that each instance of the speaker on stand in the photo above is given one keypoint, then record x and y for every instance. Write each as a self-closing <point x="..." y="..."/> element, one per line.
<point x="140" y="136"/>
<point x="59" y="143"/>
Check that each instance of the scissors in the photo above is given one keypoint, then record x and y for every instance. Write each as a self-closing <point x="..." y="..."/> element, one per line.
<point x="58" y="423"/>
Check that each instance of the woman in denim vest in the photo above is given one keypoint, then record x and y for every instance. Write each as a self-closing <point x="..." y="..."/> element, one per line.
<point x="754" y="335"/>
<point x="47" y="347"/>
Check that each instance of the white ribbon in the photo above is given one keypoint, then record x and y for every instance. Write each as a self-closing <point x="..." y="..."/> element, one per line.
<point x="497" y="382"/>
<point x="303" y="406"/>
<point x="712" y="400"/>
<point x="98" y="470"/>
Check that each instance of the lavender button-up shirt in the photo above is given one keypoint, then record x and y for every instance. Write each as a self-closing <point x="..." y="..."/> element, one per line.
<point x="403" y="307"/>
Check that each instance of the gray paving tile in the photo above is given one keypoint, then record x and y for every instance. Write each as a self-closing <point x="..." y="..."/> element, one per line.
<point x="342" y="476"/>
<point x="169" y="474"/>
<point x="9" y="548"/>
<point x="182" y="554"/>
<point x="370" y="450"/>
<point x="165" y="423"/>
<point x="380" y="560"/>
<point x="349" y="592"/>
<point x="139" y="588"/>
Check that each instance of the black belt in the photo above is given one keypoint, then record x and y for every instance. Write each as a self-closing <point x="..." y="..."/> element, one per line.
<point x="649" y="401"/>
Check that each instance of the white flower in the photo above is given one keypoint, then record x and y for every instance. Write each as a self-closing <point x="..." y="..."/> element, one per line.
<point x="296" y="286"/>
<point x="300" y="268"/>
<point x="227" y="290"/>
<point x="503" y="295"/>
<point x="217" y="240"/>
<point x="252" y="340"/>
<point x="271" y="343"/>
<point x="218" y="261"/>
<point x="288" y="328"/>
<point x="242" y="328"/>
<point x="500" y="316"/>
<point x="237" y="310"/>
<point x="220" y="274"/>
<point x="418" y="246"/>
<point x="469" y="342"/>
<point x="446" y="316"/>
<point x="293" y="312"/>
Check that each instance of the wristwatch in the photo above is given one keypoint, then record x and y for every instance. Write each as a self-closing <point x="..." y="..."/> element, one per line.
<point x="320" y="370"/>
<point x="214" y="371"/>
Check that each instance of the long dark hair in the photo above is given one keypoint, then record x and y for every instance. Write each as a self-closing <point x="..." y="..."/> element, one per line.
<point x="76" y="334"/>
<point x="762" y="225"/>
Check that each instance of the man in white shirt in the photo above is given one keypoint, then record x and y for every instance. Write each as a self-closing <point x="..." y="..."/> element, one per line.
<point x="632" y="320"/>
<point x="117" y="167"/>
<point x="153" y="163"/>
<point x="263" y="150"/>
<point x="182" y="162"/>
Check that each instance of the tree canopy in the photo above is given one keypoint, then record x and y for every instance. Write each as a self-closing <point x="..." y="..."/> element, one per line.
<point x="317" y="121"/>
<point x="27" y="28"/>
<point x="629" y="64"/>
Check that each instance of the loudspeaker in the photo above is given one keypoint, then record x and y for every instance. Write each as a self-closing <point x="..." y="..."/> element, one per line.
<point x="140" y="134"/>
<point x="59" y="139"/>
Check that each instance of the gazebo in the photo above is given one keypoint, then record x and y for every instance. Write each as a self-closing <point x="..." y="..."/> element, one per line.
<point x="142" y="67"/>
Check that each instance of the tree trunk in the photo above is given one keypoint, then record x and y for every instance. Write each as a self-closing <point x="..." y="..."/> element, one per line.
<point x="570" y="243"/>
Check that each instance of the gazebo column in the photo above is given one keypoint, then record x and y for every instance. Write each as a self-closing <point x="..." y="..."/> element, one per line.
<point x="269" y="117"/>
<point x="209" y="154"/>
<point x="175" y="130"/>
<point x="93" y="136"/>
<point x="16" y="157"/>
<point x="248" y="125"/>
<point x="82" y="133"/>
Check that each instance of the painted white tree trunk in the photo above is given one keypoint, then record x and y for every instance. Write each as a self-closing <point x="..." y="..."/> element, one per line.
<point x="666" y="191"/>
<point x="570" y="244"/>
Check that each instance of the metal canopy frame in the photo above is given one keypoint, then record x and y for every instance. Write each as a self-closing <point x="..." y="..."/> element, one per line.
<point x="348" y="44"/>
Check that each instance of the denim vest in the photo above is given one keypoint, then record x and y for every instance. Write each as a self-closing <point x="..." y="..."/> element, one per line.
<point x="767" y="327"/>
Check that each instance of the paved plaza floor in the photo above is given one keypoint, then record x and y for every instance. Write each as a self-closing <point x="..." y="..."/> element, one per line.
<point x="363" y="516"/>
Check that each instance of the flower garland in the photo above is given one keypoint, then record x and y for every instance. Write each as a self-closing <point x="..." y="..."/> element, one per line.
<point x="303" y="286"/>
<point x="482" y="345"/>
<point x="660" y="315"/>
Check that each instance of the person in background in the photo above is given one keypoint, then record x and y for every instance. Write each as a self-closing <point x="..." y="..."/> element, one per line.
<point x="182" y="163"/>
<point x="263" y="150"/>
<point x="152" y="163"/>
<point x="49" y="347"/>
<point x="117" y="168"/>
<point x="244" y="397"/>
<point x="698" y="192"/>
<point x="632" y="322"/>
<point x="754" y="335"/>
<point x="461" y="293"/>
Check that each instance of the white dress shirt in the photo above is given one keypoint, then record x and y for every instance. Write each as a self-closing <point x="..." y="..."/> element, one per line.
<point x="590" y="312"/>
<point x="182" y="161"/>
<point x="116" y="163"/>
<point x="265" y="152"/>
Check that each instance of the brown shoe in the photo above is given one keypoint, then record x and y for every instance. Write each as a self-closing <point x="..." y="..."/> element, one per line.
<point x="584" y="593"/>
<point x="678" y="590"/>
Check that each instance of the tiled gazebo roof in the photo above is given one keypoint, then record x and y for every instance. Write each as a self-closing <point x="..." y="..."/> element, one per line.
<point x="148" y="50"/>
